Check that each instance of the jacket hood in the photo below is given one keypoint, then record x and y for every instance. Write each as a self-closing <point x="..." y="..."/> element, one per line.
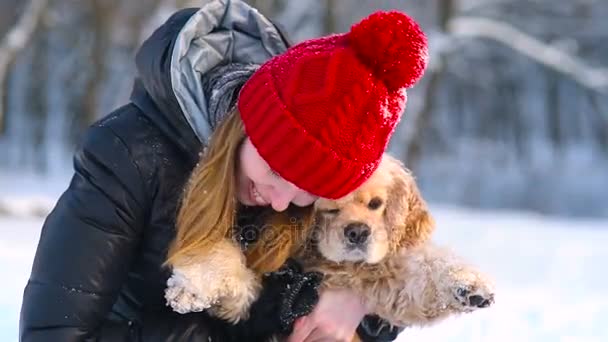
<point x="173" y="62"/>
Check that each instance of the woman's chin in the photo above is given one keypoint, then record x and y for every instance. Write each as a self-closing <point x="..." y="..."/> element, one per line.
<point x="247" y="202"/>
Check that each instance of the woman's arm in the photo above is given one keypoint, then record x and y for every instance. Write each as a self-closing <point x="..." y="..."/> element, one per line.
<point x="86" y="246"/>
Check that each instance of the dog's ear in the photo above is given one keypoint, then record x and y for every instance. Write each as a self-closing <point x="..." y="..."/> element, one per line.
<point x="406" y="211"/>
<point x="282" y="234"/>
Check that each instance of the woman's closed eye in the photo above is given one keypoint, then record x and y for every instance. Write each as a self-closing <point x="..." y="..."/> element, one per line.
<point x="274" y="173"/>
<point x="333" y="211"/>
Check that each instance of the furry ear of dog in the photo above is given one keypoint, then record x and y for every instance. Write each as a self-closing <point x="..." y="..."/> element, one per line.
<point x="406" y="211"/>
<point x="281" y="235"/>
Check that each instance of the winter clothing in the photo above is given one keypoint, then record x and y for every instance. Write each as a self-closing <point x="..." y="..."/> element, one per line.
<point x="287" y="294"/>
<point x="336" y="100"/>
<point x="221" y="32"/>
<point x="375" y="329"/>
<point x="221" y="85"/>
<point x="294" y="301"/>
<point x="97" y="274"/>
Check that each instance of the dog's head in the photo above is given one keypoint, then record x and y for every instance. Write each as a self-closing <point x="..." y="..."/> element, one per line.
<point x="385" y="214"/>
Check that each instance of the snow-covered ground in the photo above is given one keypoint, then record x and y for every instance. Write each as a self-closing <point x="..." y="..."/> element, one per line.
<point x="550" y="283"/>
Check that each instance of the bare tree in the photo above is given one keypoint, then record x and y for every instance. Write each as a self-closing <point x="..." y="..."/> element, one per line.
<point x="552" y="57"/>
<point x="329" y="21"/>
<point x="101" y="13"/>
<point x="420" y="120"/>
<point x="15" y="41"/>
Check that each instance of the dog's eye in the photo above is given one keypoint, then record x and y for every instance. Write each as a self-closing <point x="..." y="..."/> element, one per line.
<point x="331" y="211"/>
<point x="375" y="203"/>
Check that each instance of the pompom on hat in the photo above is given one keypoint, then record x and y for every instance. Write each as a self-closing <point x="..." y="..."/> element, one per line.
<point x="322" y="113"/>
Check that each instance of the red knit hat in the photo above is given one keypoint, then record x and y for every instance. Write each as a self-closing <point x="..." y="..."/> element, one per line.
<point x="321" y="114"/>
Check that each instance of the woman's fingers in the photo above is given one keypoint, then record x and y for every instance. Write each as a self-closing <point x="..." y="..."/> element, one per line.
<point x="302" y="329"/>
<point x="322" y="339"/>
<point x="334" y="318"/>
<point x="318" y="335"/>
<point x="325" y="334"/>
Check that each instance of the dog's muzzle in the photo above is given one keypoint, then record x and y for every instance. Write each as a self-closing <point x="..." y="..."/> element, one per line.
<point x="357" y="234"/>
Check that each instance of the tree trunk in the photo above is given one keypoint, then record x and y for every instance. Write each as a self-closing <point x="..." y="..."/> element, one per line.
<point x="421" y="121"/>
<point x="14" y="42"/>
<point x="101" y="13"/>
<point x="330" y="17"/>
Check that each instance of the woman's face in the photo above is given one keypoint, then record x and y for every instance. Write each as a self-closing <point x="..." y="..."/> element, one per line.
<point x="259" y="185"/>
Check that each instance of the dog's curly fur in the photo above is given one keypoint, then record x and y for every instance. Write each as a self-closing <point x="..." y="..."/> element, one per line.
<point x="375" y="241"/>
<point x="398" y="272"/>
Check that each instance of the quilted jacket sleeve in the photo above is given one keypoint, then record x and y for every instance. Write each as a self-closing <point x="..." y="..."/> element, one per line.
<point x="86" y="246"/>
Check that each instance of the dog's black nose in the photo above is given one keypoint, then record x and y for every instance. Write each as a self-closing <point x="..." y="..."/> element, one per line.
<point x="357" y="233"/>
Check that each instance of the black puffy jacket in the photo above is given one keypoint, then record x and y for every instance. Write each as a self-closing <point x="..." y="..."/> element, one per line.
<point x="97" y="272"/>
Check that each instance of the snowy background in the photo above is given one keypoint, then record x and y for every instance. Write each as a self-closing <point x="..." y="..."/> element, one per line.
<point x="507" y="133"/>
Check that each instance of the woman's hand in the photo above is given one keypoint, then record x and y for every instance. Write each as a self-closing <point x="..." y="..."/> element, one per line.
<point x="335" y="318"/>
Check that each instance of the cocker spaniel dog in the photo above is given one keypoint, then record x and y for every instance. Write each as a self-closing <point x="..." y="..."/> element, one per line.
<point x="375" y="241"/>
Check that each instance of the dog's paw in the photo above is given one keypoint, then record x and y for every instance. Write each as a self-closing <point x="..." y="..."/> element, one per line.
<point x="473" y="297"/>
<point x="471" y="291"/>
<point x="181" y="296"/>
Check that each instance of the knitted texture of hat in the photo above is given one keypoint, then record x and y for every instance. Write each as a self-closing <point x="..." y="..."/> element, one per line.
<point x="322" y="113"/>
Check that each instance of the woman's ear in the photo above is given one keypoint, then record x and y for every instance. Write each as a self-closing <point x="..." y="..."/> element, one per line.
<point x="407" y="215"/>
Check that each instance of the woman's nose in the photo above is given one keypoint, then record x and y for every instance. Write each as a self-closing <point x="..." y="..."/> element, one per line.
<point x="279" y="205"/>
<point x="280" y="199"/>
<point x="280" y="202"/>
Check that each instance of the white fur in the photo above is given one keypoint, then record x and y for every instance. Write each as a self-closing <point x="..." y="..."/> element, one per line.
<point x="217" y="281"/>
<point x="426" y="284"/>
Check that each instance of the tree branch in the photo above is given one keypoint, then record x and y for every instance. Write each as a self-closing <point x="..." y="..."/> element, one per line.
<point x="552" y="57"/>
<point x="15" y="41"/>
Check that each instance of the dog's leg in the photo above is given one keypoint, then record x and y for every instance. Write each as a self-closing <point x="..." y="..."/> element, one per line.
<point x="218" y="281"/>
<point x="460" y="287"/>
<point x="428" y="284"/>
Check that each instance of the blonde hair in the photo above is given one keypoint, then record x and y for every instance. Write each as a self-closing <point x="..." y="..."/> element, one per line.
<point x="208" y="207"/>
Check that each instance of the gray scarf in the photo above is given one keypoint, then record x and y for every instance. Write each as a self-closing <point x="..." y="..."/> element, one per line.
<point x="221" y="86"/>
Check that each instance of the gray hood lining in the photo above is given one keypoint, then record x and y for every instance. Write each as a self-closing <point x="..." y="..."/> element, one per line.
<point x="221" y="32"/>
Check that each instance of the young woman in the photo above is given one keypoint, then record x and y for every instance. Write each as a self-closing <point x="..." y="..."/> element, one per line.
<point x="311" y="122"/>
